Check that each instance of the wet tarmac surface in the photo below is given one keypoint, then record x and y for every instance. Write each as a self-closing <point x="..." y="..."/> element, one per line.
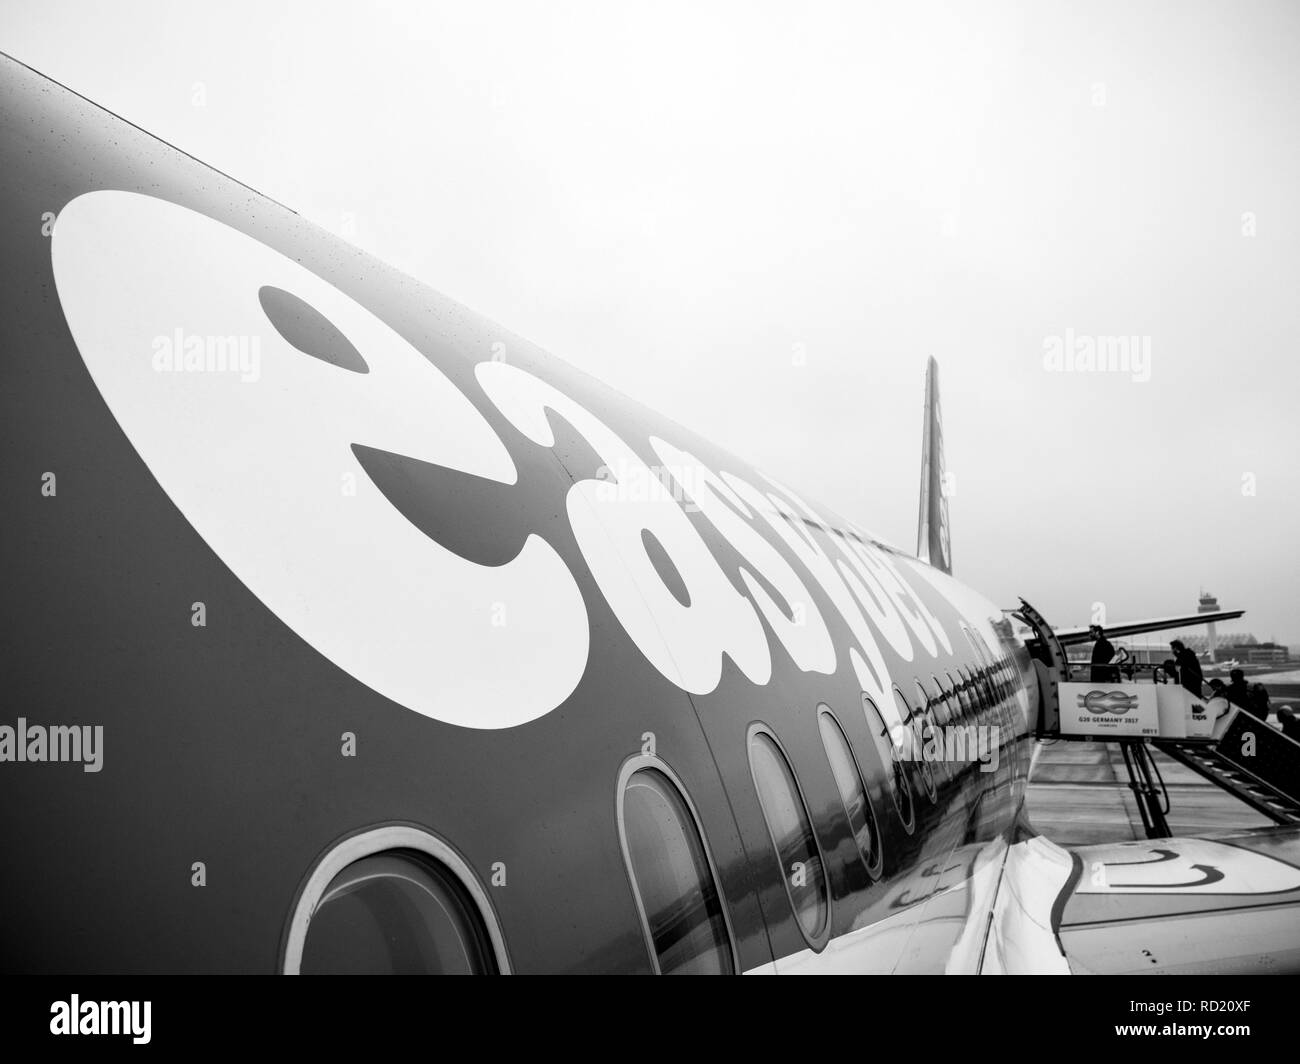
<point x="1079" y="794"/>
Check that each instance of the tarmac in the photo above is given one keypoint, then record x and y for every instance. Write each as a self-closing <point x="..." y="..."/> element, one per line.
<point x="1079" y="794"/>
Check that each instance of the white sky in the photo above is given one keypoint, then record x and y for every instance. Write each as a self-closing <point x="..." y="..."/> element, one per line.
<point x="673" y="196"/>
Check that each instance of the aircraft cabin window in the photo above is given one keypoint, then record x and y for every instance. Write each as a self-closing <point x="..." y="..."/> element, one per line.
<point x="995" y="667"/>
<point x="904" y="712"/>
<point x="942" y="706"/>
<point x="394" y="901"/>
<point x="853" y="792"/>
<point x="984" y="675"/>
<point x="915" y="740"/>
<point x="672" y="874"/>
<point x="954" y="700"/>
<point x="797" y="850"/>
<point x="938" y="719"/>
<point x="901" y="790"/>
<point x="974" y="674"/>
<point x="991" y="682"/>
<point x="980" y="694"/>
<point x="987" y="701"/>
<point x="1000" y="678"/>
<point x="965" y="697"/>
<point x="395" y="914"/>
<point x="929" y="706"/>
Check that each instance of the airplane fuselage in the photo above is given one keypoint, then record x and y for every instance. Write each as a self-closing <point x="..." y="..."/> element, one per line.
<point x="329" y="557"/>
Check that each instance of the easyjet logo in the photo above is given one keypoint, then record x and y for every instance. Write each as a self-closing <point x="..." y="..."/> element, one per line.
<point x="263" y="470"/>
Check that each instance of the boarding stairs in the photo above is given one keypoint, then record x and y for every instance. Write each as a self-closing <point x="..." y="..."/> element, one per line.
<point x="1268" y="780"/>
<point x="1226" y="745"/>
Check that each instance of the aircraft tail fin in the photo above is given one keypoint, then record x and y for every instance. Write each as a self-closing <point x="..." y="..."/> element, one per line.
<point x="932" y="544"/>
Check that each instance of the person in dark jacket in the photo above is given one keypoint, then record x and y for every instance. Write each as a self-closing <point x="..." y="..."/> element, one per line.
<point x="1260" y="703"/>
<point x="1189" y="667"/>
<point x="1102" y="652"/>
<point x="1290" y="721"/>
<point x="1238" y="691"/>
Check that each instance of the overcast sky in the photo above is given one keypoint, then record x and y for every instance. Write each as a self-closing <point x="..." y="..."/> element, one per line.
<point x="760" y="219"/>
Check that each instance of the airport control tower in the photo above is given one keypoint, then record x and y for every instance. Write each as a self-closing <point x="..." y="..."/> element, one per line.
<point x="1209" y="604"/>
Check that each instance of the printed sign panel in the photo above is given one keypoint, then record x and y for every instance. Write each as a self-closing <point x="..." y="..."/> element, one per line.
<point x="1174" y="704"/>
<point x="1109" y="710"/>
<point x="1183" y="714"/>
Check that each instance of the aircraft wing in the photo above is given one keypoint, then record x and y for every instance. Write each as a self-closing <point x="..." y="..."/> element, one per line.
<point x="1154" y="624"/>
<point x="1227" y="905"/>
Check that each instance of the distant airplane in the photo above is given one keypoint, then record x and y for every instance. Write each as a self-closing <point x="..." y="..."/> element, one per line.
<point x="411" y="648"/>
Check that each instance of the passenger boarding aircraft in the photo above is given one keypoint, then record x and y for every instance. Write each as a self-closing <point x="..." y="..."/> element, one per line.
<point x="347" y="631"/>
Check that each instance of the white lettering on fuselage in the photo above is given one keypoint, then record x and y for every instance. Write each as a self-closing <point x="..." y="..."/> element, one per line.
<point x="254" y="470"/>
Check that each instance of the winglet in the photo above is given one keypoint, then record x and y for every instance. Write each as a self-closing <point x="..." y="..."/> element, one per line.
<point x="932" y="544"/>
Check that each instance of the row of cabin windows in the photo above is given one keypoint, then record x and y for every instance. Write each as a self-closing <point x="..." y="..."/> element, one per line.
<point x="402" y="911"/>
<point x="684" y="918"/>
